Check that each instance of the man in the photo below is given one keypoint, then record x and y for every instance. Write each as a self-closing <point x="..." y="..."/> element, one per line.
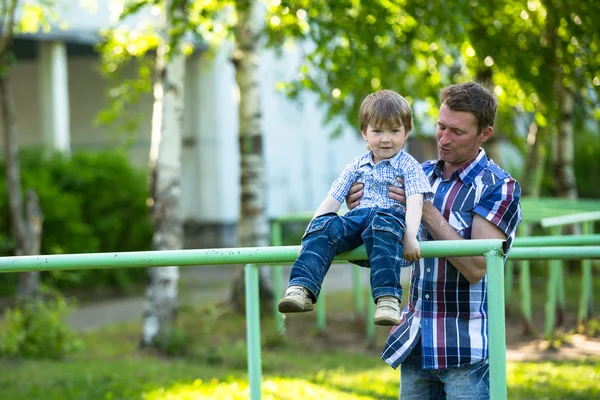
<point x="442" y="341"/>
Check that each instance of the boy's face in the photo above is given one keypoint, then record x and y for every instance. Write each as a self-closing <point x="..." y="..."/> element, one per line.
<point x="385" y="141"/>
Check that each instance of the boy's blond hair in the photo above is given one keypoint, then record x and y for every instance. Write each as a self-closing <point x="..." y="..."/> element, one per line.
<point x="385" y="107"/>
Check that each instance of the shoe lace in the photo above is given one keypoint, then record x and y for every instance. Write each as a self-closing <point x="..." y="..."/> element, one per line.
<point x="296" y="291"/>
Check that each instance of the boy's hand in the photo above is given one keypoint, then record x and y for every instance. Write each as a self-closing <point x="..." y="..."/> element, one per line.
<point x="354" y="195"/>
<point x="412" y="249"/>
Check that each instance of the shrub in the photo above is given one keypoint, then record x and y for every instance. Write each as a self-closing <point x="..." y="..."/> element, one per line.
<point x="92" y="202"/>
<point x="37" y="329"/>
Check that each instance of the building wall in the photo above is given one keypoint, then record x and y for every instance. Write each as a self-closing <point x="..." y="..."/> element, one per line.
<point x="301" y="158"/>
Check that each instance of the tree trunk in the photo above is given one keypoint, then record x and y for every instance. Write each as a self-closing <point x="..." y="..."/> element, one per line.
<point x="535" y="161"/>
<point x="26" y="233"/>
<point x="253" y="226"/>
<point x="564" y="154"/>
<point x="165" y="192"/>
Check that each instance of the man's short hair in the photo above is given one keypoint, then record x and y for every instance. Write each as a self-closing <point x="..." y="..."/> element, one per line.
<point x="472" y="97"/>
<point x="387" y="108"/>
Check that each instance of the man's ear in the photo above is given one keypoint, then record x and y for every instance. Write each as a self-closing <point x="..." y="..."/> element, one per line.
<point x="487" y="132"/>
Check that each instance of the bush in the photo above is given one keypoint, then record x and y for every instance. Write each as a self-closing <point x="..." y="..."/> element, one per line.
<point x="37" y="329"/>
<point x="92" y="202"/>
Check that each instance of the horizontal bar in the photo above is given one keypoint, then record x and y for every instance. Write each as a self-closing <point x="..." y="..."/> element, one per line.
<point x="561" y="240"/>
<point x="570" y="219"/>
<point x="555" y="253"/>
<point x="241" y="255"/>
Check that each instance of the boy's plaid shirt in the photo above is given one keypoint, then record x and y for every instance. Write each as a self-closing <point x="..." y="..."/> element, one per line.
<point x="378" y="177"/>
<point x="445" y="310"/>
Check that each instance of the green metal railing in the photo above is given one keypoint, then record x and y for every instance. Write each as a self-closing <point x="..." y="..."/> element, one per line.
<point x="492" y="250"/>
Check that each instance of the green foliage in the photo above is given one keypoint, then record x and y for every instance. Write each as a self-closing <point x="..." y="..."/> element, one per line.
<point x="37" y="329"/>
<point x="587" y="165"/>
<point x="92" y="202"/>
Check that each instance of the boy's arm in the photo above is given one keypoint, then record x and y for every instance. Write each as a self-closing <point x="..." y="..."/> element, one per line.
<point x="328" y="205"/>
<point x="414" y="211"/>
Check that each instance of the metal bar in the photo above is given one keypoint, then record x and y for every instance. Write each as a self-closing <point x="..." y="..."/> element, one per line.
<point x="321" y="310"/>
<point x="497" y="328"/>
<point x="277" y="274"/>
<point x="524" y="240"/>
<point x="555" y="253"/>
<point x="570" y="219"/>
<point x="370" y="321"/>
<point x="508" y="280"/>
<point x="359" y="303"/>
<point x="253" y="331"/>
<point x="525" y="282"/>
<point x="586" y="282"/>
<point x="240" y="255"/>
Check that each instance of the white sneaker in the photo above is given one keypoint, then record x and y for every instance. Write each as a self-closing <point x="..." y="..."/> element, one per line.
<point x="296" y="299"/>
<point x="388" y="311"/>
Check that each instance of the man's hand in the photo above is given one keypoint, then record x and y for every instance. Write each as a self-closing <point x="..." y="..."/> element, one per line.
<point x="396" y="193"/>
<point x="354" y="195"/>
<point x="412" y="250"/>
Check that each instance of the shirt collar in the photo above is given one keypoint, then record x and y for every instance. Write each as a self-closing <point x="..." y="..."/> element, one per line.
<point x="467" y="172"/>
<point x="368" y="159"/>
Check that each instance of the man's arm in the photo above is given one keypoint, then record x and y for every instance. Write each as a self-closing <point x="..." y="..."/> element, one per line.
<point x="473" y="268"/>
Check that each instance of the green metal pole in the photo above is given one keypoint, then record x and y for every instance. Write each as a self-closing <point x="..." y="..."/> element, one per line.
<point x="508" y="281"/>
<point x="497" y="327"/>
<point x="586" y="282"/>
<point x="240" y="255"/>
<point x="277" y="273"/>
<point x="524" y="240"/>
<point x="370" y="322"/>
<point x="359" y="304"/>
<point x="321" y="310"/>
<point x="253" y="331"/>
<point x="560" y="281"/>
<point x="551" y="299"/>
<point x="524" y="230"/>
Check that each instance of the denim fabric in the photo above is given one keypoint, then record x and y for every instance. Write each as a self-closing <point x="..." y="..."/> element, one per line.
<point x="465" y="382"/>
<point x="381" y="230"/>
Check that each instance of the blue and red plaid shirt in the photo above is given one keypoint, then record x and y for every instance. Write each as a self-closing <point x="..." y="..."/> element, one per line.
<point x="447" y="312"/>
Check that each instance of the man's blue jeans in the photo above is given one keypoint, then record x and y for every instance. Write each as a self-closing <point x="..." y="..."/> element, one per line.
<point x="471" y="382"/>
<point x="381" y="230"/>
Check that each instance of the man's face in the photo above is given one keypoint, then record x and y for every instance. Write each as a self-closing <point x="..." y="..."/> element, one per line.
<point x="385" y="141"/>
<point x="458" y="137"/>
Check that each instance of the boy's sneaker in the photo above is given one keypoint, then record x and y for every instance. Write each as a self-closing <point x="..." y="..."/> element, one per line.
<point x="388" y="311"/>
<point x="296" y="299"/>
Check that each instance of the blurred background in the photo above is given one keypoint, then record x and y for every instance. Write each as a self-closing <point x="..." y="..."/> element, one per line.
<point x="171" y="124"/>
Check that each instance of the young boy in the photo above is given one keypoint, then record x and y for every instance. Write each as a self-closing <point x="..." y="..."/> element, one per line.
<point x="388" y="229"/>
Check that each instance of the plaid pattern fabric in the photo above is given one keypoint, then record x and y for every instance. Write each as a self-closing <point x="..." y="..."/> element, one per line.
<point x="378" y="177"/>
<point x="445" y="310"/>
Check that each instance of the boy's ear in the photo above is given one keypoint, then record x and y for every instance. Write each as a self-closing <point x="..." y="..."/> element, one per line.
<point x="364" y="134"/>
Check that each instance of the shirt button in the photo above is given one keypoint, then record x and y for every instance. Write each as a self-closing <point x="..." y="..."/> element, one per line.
<point x="428" y="269"/>
<point x="426" y="296"/>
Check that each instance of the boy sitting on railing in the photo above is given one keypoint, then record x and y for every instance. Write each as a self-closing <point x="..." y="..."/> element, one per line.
<point x="389" y="230"/>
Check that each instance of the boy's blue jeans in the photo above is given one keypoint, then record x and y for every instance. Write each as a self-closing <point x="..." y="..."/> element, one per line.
<point x="381" y="230"/>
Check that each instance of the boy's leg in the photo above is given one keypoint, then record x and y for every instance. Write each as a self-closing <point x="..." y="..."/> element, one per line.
<point x="383" y="241"/>
<point x="326" y="236"/>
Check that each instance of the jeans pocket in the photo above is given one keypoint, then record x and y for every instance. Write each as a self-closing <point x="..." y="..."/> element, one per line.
<point x="319" y="224"/>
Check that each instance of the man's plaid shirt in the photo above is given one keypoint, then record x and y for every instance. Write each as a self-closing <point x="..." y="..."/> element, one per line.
<point x="445" y="310"/>
<point x="378" y="177"/>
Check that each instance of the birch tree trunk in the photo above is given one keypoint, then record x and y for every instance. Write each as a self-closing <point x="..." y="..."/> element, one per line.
<point x="564" y="153"/>
<point x="165" y="191"/>
<point x="25" y="232"/>
<point x="253" y="226"/>
<point x="535" y="161"/>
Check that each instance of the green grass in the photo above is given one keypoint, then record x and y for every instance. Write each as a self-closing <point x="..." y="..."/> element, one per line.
<point x="314" y="367"/>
